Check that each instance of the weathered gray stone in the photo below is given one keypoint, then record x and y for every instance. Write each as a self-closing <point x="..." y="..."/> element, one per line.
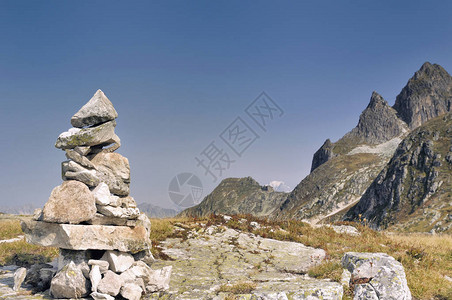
<point x="71" y="202"/>
<point x="98" y="110"/>
<point x="73" y="171"/>
<point x="365" y="292"/>
<point x="110" y="284"/>
<point x="131" y="291"/>
<point x="39" y="276"/>
<point x="118" y="212"/>
<point x="118" y="261"/>
<point x="69" y="282"/>
<point x="103" y="265"/>
<point x="95" y="276"/>
<point x="100" y="219"/>
<point x="100" y="296"/>
<point x="83" y="237"/>
<point x="103" y="197"/>
<point x="114" y="170"/>
<point x="77" y="257"/>
<point x="386" y="275"/>
<point x="78" y="158"/>
<point x="102" y="135"/>
<point x="19" y="277"/>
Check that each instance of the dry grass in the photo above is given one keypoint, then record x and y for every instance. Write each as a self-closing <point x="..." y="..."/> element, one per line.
<point x="21" y="252"/>
<point x="9" y="228"/>
<point x="426" y="258"/>
<point x="238" y="288"/>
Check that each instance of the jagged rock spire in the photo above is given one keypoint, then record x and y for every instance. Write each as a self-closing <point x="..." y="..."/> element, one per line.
<point x="428" y="94"/>
<point x="378" y="123"/>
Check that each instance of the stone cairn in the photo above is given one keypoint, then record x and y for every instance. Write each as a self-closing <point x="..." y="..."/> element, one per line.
<point x="103" y="238"/>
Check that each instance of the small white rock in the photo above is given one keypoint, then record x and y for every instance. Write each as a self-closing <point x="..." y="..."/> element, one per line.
<point x="119" y="261"/>
<point x="19" y="277"/>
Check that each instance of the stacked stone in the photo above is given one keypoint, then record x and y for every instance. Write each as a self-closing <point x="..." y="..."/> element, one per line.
<point x="102" y="236"/>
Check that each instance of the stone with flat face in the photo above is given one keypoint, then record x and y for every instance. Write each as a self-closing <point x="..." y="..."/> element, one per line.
<point x="71" y="202"/>
<point x="84" y="237"/>
<point x="98" y="110"/>
<point x="103" y="134"/>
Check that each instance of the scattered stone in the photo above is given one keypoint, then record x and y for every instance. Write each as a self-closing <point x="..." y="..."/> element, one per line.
<point x="98" y="110"/>
<point x="19" y="277"/>
<point x="83" y="237"/>
<point x="95" y="276"/>
<point x="71" y="202"/>
<point x="69" y="282"/>
<point x="110" y="284"/>
<point x="114" y="170"/>
<point x="345" y="277"/>
<point x="118" y="261"/>
<point x="386" y="276"/>
<point x="39" y="276"/>
<point x="131" y="291"/>
<point x="159" y="279"/>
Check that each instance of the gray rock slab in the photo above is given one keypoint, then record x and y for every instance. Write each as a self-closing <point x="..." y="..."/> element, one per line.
<point x="83" y="237"/>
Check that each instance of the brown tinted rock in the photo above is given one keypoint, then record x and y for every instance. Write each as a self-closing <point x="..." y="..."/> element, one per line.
<point x="114" y="170"/>
<point x="71" y="202"/>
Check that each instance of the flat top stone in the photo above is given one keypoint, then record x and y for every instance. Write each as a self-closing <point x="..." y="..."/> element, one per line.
<point x="98" y="110"/>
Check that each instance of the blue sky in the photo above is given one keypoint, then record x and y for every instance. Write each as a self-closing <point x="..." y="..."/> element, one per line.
<point x="179" y="72"/>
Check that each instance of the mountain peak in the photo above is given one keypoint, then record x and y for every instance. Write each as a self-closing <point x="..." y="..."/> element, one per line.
<point x="427" y="94"/>
<point x="376" y="99"/>
<point x="378" y="123"/>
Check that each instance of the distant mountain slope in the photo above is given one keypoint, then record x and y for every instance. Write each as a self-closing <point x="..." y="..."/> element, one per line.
<point x="342" y="171"/>
<point x="414" y="191"/>
<point x="155" y="211"/>
<point x="238" y="196"/>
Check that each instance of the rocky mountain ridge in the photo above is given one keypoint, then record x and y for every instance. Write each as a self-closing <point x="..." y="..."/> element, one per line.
<point x="342" y="171"/>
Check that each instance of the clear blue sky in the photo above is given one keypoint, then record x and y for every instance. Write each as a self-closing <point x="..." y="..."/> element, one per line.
<point x="178" y="72"/>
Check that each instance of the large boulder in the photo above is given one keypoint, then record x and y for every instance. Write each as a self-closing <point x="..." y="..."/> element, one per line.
<point x="69" y="283"/>
<point x="71" y="202"/>
<point x="98" y="110"/>
<point x="114" y="170"/>
<point x="83" y="237"/>
<point x="380" y="273"/>
<point x="103" y="135"/>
